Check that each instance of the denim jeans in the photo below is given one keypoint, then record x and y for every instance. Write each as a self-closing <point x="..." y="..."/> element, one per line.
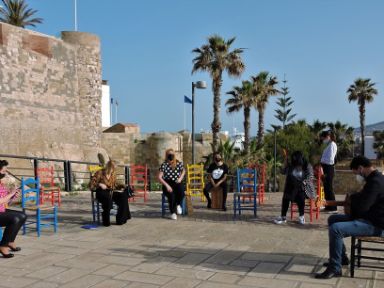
<point x="341" y="226"/>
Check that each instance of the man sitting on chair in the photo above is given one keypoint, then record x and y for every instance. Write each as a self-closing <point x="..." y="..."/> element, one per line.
<point x="218" y="172"/>
<point x="366" y="216"/>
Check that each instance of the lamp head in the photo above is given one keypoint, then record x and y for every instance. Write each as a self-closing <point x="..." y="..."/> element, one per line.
<point x="200" y="85"/>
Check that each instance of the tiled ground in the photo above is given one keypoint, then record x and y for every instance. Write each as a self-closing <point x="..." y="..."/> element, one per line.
<point x="207" y="250"/>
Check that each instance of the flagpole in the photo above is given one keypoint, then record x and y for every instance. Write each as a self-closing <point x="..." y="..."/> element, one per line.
<point x="184" y="118"/>
<point x="75" y="15"/>
<point x="116" y="104"/>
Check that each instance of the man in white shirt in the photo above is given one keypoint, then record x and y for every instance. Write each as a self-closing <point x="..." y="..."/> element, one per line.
<point x="328" y="164"/>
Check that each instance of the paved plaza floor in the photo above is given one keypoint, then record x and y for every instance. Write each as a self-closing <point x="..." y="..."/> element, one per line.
<point x="206" y="250"/>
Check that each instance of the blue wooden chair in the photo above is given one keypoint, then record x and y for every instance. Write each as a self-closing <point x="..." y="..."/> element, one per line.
<point x="246" y="188"/>
<point x="1" y="233"/>
<point x="40" y="215"/>
<point x="165" y="205"/>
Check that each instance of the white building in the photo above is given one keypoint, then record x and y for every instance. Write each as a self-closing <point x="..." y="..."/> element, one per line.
<point x="105" y="105"/>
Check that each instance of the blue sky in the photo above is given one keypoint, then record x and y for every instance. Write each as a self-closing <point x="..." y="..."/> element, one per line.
<point x="321" y="46"/>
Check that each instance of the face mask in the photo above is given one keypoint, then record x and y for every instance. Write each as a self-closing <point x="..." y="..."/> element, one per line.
<point x="170" y="157"/>
<point x="217" y="159"/>
<point x="325" y="141"/>
<point x="2" y="175"/>
<point x="360" y="179"/>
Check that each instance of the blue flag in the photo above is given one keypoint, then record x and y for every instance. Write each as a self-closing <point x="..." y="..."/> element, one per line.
<point x="187" y="100"/>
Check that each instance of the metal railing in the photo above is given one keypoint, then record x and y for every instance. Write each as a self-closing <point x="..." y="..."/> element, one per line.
<point x="67" y="175"/>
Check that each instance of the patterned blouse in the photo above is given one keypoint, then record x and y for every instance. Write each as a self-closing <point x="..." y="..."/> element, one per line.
<point x="169" y="173"/>
<point x="100" y="177"/>
<point x="3" y="193"/>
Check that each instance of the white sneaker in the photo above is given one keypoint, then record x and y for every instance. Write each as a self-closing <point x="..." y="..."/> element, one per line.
<point x="302" y="220"/>
<point x="280" y="220"/>
<point x="179" y="211"/>
<point x="174" y="216"/>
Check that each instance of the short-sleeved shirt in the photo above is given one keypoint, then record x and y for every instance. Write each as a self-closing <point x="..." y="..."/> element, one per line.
<point x="169" y="173"/>
<point x="217" y="172"/>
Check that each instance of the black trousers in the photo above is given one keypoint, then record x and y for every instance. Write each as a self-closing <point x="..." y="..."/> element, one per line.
<point x="13" y="221"/>
<point x="223" y="186"/>
<point x="176" y="196"/>
<point x="121" y="200"/>
<point x="299" y="200"/>
<point x="329" y="173"/>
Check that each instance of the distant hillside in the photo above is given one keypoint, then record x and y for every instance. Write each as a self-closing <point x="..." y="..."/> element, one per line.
<point x="370" y="128"/>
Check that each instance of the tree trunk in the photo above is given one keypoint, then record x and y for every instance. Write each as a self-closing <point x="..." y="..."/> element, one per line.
<point x="260" y="132"/>
<point x="216" y="125"/>
<point x="362" y="126"/>
<point x="247" y="113"/>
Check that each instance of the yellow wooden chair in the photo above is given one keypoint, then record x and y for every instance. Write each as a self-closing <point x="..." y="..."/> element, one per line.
<point x="195" y="181"/>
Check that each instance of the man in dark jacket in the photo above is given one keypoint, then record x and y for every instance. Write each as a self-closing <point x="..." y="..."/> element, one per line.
<point x="366" y="217"/>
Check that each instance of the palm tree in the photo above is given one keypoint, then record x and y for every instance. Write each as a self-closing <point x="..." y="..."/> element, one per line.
<point x="263" y="87"/>
<point x="16" y="12"/>
<point x="362" y="91"/>
<point x="242" y="98"/>
<point x="215" y="57"/>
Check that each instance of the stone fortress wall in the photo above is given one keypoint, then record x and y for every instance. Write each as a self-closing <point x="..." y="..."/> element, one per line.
<point x="50" y="94"/>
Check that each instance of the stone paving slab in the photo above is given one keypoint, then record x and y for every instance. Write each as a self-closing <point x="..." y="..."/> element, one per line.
<point x="208" y="250"/>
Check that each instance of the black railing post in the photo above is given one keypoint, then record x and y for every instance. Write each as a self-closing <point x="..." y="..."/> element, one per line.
<point x="126" y="175"/>
<point x="66" y="176"/>
<point x="149" y="179"/>
<point x="69" y="175"/>
<point x="35" y="167"/>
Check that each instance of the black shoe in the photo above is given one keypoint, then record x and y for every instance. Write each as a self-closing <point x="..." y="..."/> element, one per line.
<point x="16" y="249"/>
<point x="344" y="262"/>
<point x="9" y="255"/>
<point x="328" y="274"/>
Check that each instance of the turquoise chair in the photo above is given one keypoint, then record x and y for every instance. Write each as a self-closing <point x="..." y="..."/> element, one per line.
<point x="246" y="188"/>
<point x="38" y="214"/>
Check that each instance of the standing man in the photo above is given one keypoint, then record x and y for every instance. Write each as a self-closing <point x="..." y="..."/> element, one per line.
<point x="366" y="216"/>
<point x="328" y="164"/>
<point x="218" y="172"/>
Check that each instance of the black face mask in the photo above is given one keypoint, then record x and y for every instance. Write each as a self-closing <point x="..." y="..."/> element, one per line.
<point x="217" y="159"/>
<point x="2" y="175"/>
<point x="170" y="157"/>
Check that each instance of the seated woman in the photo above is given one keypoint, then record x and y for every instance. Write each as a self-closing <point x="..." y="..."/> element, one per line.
<point x="12" y="220"/>
<point x="104" y="183"/>
<point x="298" y="186"/>
<point x="171" y="174"/>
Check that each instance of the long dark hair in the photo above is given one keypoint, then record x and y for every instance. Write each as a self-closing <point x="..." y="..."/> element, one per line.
<point x="298" y="159"/>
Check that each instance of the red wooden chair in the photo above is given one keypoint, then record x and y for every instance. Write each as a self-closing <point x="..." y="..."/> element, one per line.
<point x="139" y="181"/>
<point x="48" y="189"/>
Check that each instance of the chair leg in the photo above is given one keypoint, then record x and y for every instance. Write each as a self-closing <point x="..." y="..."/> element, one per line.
<point x="38" y="224"/>
<point x="55" y="219"/>
<point x="359" y="244"/>
<point x="353" y="251"/>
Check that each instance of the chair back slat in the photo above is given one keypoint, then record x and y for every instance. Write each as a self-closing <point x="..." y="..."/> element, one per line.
<point x="30" y="192"/>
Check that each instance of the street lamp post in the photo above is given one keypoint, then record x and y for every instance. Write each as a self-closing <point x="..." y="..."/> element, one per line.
<point x="198" y="85"/>
<point x="275" y="128"/>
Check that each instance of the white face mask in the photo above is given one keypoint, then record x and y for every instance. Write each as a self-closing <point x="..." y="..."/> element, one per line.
<point x="360" y="179"/>
<point x="325" y="141"/>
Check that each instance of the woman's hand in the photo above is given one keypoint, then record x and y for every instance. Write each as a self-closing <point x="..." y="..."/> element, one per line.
<point x="179" y="180"/>
<point x="103" y="186"/>
<point x="169" y="189"/>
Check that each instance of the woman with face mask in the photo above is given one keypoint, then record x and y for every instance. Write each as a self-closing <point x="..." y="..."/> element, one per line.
<point x="10" y="219"/>
<point x="298" y="186"/>
<point x="328" y="164"/>
<point x="171" y="174"/>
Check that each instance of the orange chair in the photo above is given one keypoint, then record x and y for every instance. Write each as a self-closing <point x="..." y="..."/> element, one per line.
<point x="139" y="181"/>
<point x="48" y="190"/>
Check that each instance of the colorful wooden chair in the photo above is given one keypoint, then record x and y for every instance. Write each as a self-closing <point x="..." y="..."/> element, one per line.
<point x="49" y="191"/>
<point x="195" y="181"/>
<point x="246" y="188"/>
<point x="38" y="214"/>
<point x="138" y="180"/>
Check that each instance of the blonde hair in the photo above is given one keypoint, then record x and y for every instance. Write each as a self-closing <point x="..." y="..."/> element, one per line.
<point x="110" y="168"/>
<point x="174" y="161"/>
